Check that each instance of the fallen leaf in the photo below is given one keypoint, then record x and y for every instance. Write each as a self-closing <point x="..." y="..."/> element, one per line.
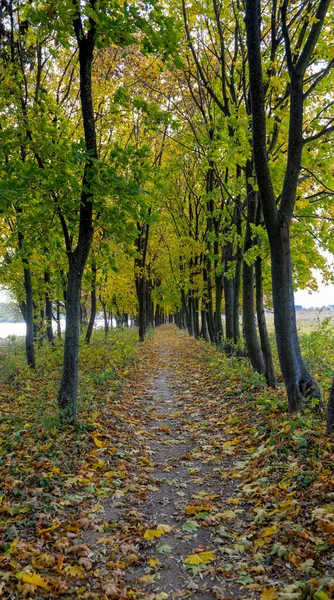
<point x="269" y="594"/>
<point x="200" y="558"/>
<point x="35" y="579"/>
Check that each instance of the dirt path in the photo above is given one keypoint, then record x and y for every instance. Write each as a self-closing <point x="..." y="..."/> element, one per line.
<point x="185" y="503"/>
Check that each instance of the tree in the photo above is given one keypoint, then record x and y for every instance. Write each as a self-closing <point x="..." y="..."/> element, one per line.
<point x="299" y="59"/>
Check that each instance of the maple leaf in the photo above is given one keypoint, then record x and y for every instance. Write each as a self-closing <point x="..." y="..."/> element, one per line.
<point x="200" y="558"/>
<point x="75" y="571"/>
<point x="34" y="579"/>
<point x="151" y="534"/>
<point x="269" y="594"/>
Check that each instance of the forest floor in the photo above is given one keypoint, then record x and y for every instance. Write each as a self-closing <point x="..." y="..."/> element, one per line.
<point x="191" y="482"/>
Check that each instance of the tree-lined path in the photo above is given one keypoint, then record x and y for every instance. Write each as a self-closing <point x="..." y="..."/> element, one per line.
<point x="185" y="479"/>
<point x="213" y="503"/>
<point x="184" y="510"/>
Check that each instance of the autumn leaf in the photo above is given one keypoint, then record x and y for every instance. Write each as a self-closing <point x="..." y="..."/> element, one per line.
<point x="190" y="526"/>
<point x="193" y="509"/>
<point x="146" y="579"/>
<point x="75" y="571"/>
<point x="200" y="558"/>
<point x="269" y="531"/>
<point x="153" y="562"/>
<point x="151" y="534"/>
<point x="34" y="579"/>
<point x="327" y="527"/>
<point x="99" y="443"/>
<point x="269" y="594"/>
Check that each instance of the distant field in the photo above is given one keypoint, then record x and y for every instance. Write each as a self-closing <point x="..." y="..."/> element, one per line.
<point x="307" y="320"/>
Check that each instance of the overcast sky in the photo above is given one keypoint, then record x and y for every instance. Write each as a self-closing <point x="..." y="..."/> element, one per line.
<point x="323" y="297"/>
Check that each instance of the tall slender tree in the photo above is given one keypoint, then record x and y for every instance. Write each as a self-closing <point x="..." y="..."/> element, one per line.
<point x="298" y="381"/>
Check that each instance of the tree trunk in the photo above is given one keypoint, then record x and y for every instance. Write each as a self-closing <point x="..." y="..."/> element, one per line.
<point x="105" y="318"/>
<point x="30" y="348"/>
<point x="237" y="284"/>
<point x="219" y="330"/>
<point x="330" y="411"/>
<point x="141" y="294"/>
<point x="196" y="318"/>
<point x="58" y="320"/>
<point x="67" y="394"/>
<point x="48" y="307"/>
<point x="28" y="306"/>
<point x="298" y="381"/>
<point x="209" y="307"/>
<point x="252" y="343"/>
<point x="228" y="296"/>
<point x="261" y="320"/>
<point x="204" y="328"/>
<point x="93" y="306"/>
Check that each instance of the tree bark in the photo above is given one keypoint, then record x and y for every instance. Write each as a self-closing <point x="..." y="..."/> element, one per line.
<point x="330" y="411"/>
<point x="237" y="277"/>
<point x="58" y="320"/>
<point x="263" y="331"/>
<point x="93" y="305"/>
<point x="67" y="395"/>
<point x="228" y="296"/>
<point x="219" y="330"/>
<point x="204" y="326"/>
<point x="48" y="307"/>
<point x="252" y="343"/>
<point x="28" y="305"/>
<point x="141" y="295"/>
<point x="298" y="381"/>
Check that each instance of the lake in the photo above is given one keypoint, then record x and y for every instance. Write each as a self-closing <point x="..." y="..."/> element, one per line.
<point x="19" y="329"/>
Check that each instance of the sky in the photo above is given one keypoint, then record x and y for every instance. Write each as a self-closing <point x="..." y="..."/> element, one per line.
<point x="323" y="297"/>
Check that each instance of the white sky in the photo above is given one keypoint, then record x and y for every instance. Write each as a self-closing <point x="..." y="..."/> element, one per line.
<point x="323" y="297"/>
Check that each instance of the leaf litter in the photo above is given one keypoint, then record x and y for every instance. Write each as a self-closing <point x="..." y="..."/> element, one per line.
<point x="193" y="483"/>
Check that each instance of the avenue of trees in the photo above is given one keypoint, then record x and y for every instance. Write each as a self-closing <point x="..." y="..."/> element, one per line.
<point x="167" y="160"/>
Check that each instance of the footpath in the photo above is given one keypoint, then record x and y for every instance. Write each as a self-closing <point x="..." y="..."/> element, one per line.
<point x="209" y="506"/>
<point x="192" y="483"/>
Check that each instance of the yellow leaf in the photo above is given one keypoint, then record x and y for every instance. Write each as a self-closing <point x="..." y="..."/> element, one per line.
<point x="200" y="558"/>
<point x="161" y="596"/>
<point x="153" y="562"/>
<point x="227" y="445"/>
<point x="52" y="528"/>
<point x="269" y="594"/>
<point x="321" y="596"/>
<point x="193" y="509"/>
<point x="99" y="443"/>
<point x="35" y="579"/>
<point x="234" y="501"/>
<point x="269" y="531"/>
<point x="146" y="579"/>
<point x="164" y="528"/>
<point x="151" y="534"/>
<point x="75" y="571"/>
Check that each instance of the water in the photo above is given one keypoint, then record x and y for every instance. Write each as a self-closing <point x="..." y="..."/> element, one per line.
<point x="19" y="329"/>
